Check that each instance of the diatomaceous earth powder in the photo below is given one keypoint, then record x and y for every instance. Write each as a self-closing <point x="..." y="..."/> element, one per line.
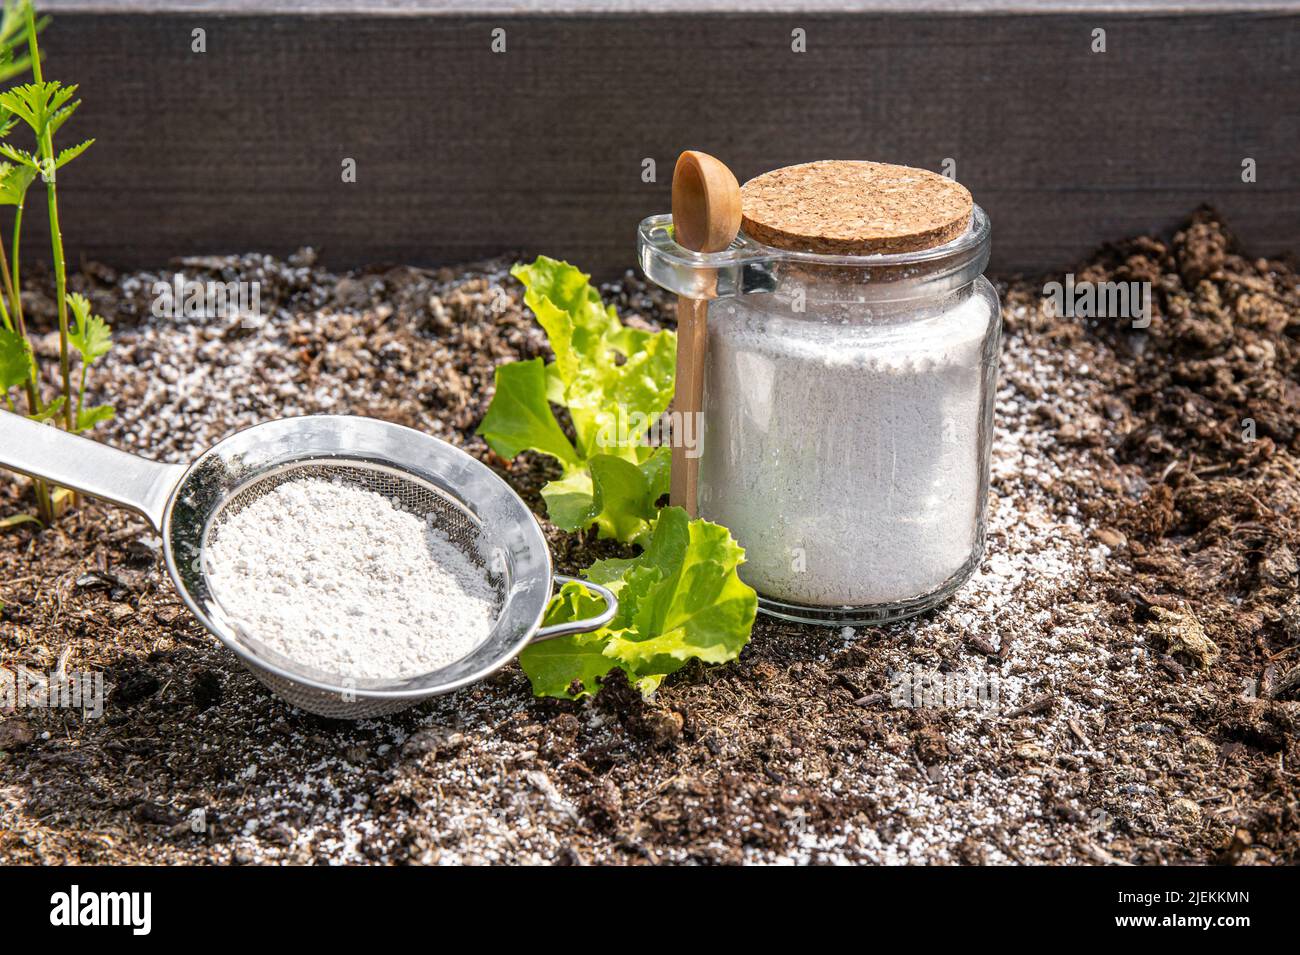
<point x="342" y="581"/>
<point x="846" y="456"/>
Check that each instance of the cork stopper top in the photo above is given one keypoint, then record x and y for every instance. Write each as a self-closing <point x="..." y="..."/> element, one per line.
<point x="845" y="207"/>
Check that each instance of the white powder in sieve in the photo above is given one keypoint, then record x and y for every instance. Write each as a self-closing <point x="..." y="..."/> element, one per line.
<point x="341" y="580"/>
<point x="846" y="457"/>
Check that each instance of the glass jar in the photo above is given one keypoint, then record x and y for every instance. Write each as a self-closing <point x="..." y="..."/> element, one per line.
<point x="848" y="416"/>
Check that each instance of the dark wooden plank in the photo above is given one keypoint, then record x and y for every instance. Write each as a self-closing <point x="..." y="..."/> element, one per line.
<point x="643" y="7"/>
<point x="462" y="152"/>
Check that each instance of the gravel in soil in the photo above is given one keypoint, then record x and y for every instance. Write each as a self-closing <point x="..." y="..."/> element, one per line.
<point x="1131" y="644"/>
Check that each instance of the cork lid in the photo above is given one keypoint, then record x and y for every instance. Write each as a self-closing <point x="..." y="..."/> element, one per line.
<point x="845" y="207"/>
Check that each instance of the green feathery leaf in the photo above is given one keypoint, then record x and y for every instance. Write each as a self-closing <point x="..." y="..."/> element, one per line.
<point x="20" y="156"/>
<point x="92" y="337"/>
<point x="15" y="360"/>
<point x="14" y="183"/>
<point x="40" y="105"/>
<point x="60" y="116"/>
<point x="50" y="410"/>
<point x="14" y="56"/>
<point x="71" y="153"/>
<point x="87" y="418"/>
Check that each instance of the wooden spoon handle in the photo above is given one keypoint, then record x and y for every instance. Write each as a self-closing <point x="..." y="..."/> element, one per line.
<point x="706" y="217"/>
<point x="688" y="400"/>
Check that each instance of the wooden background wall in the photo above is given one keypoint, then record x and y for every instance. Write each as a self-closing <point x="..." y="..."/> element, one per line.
<point x="461" y="152"/>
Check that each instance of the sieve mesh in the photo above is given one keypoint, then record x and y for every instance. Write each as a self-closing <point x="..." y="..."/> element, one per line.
<point x="416" y="497"/>
<point x="405" y="492"/>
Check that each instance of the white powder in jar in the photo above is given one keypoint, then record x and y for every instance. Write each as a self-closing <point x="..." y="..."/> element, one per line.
<point x="342" y="581"/>
<point x="848" y="458"/>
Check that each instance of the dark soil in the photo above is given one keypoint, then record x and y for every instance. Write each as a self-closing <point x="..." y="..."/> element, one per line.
<point x="1137" y="614"/>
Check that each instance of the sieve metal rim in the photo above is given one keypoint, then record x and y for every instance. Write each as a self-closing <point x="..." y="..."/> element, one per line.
<point x="528" y="524"/>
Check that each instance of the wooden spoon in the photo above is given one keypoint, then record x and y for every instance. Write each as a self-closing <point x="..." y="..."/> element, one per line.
<point x="706" y="217"/>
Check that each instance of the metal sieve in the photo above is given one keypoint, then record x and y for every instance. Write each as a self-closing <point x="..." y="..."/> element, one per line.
<point x="424" y="476"/>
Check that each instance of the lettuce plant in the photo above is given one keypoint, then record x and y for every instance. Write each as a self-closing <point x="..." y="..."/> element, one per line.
<point x="605" y="375"/>
<point x="681" y="598"/>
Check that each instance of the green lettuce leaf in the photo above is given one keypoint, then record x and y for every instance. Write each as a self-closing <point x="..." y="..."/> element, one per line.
<point x="680" y="600"/>
<point x="576" y="662"/>
<point x="520" y="419"/>
<point x="571" y="501"/>
<point x="602" y="369"/>
<point x="613" y="493"/>
<point x="624" y="494"/>
<point x="614" y="381"/>
<point x="611" y="400"/>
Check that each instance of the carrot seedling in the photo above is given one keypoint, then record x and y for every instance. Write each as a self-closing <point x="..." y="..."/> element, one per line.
<point x="43" y="107"/>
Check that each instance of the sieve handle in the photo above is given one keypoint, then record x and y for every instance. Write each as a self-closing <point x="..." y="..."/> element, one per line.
<point x="43" y="451"/>
<point x="587" y="624"/>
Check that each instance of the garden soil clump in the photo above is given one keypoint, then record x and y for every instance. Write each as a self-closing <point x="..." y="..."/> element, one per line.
<point x="1133" y="634"/>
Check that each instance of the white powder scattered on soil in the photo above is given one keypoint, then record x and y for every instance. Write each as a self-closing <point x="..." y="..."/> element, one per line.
<point x="342" y="581"/>
<point x="323" y="799"/>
